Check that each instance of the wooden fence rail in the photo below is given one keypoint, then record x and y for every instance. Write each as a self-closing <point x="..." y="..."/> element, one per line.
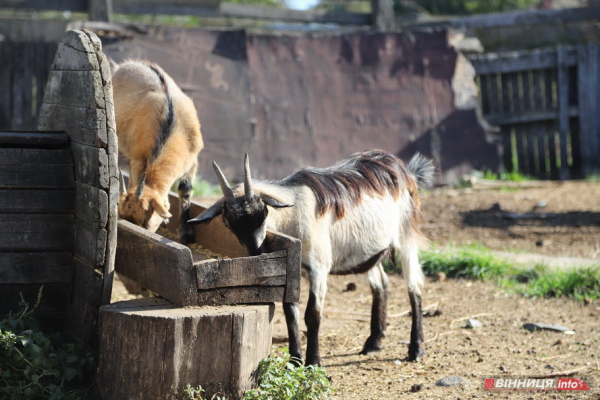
<point x="544" y="102"/>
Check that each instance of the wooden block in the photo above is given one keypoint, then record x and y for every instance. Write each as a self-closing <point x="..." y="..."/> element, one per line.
<point x="264" y="270"/>
<point x="78" y="40"/>
<point x="37" y="201"/>
<point x="41" y="140"/>
<point x="151" y="349"/>
<point x="37" y="177"/>
<point x="90" y="243"/>
<point x="83" y="125"/>
<point x="69" y="59"/>
<point x="27" y="268"/>
<point x="92" y="205"/>
<point x="75" y="89"/>
<point x="19" y="156"/>
<point x="156" y="263"/>
<point x="241" y="295"/>
<point x="36" y="232"/>
<point x="82" y="315"/>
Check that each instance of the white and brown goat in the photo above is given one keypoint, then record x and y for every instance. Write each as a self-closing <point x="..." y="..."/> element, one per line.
<point x="349" y="217"/>
<point x="159" y="134"/>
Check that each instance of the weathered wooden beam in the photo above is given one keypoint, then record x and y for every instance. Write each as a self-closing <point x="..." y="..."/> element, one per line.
<point x="382" y="15"/>
<point x="37" y="201"/>
<point x="532" y="116"/>
<point x="514" y="18"/>
<point x="100" y="10"/>
<point x="34" y="139"/>
<point x="218" y="348"/>
<point x="515" y="61"/>
<point x="90" y="243"/>
<point x="18" y="156"/>
<point x="31" y="176"/>
<point x="36" y="268"/>
<point x="36" y="232"/>
<point x="55" y="297"/>
<point x="265" y="270"/>
<point x="563" y="107"/>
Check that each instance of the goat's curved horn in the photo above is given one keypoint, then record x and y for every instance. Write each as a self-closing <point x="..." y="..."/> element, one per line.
<point x="140" y="189"/>
<point x="225" y="188"/>
<point x="247" y="177"/>
<point x="122" y="187"/>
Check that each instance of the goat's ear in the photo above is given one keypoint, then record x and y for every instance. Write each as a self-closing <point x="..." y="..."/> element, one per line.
<point x="209" y="213"/>
<point x="160" y="209"/>
<point x="273" y="202"/>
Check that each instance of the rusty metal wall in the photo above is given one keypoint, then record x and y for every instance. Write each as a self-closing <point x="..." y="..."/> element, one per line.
<point x="311" y="99"/>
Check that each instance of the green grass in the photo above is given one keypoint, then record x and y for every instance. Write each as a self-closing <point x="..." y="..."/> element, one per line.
<point x="478" y="262"/>
<point x="593" y="178"/>
<point x="201" y="188"/>
<point x="514" y="176"/>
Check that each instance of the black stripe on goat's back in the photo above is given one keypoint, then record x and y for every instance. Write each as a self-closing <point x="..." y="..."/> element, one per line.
<point x="343" y="185"/>
<point x="168" y="120"/>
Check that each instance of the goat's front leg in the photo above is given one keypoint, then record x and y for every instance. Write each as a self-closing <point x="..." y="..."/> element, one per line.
<point x="292" y="319"/>
<point x="312" y="317"/>
<point x="185" y="191"/>
<point x="379" y="282"/>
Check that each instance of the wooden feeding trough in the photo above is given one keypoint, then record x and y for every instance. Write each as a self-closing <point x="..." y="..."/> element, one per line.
<point x="187" y="277"/>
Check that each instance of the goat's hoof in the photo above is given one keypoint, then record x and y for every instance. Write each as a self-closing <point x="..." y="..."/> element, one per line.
<point x="370" y="349"/>
<point x="415" y="355"/>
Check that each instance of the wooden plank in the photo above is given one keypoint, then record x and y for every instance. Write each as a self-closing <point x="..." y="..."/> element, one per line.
<point x="58" y="5"/>
<point x="485" y="94"/>
<point x="34" y="176"/>
<point x="528" y="116"/>
<point x="91" y="165"/>
<point x="538" y="88"/>
<point x="507" y="156"/>
<point x="520" y="141"/>
<point x="37" y="201"/>
<point x="542" y="157"/>
<point x="36" y="232"/>
<point x="17" y="117"/>
<point x="518" y="61"/>
<point x="75" y="89"/>
<point x="515" y="100"/>
<point x="90" y="243"/>
<point x="554" y="171"/>
<point x="100" y="10"/>
<point x="83" y="125"/>
<point x="495" y="100"/>
<point x="531" y="138"/>
<point x="587" y="85"/>
<point x="30" y="268"/>
<point x="91" y="205"/>
<point x="55" y="297"/>
<point x="504" y="79"/>
<point x="549" y="92"/>
<point x="594" y="123"/>
<point x="241" y="295"/>
<point x="27" y="85"/>
<point x="84" y="305"/>
<point x="6" y="82"/>
<point x="563" y="113"/>
<point x="264" y="270"/>
<point x="527" y="91"/>
<point x="34" y="139"/>
<point x="148" y="258"/>
<point x="19" y="156"/>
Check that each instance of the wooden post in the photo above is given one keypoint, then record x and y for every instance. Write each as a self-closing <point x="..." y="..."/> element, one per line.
<point x="100" y="10"/>
<point x="150" y="349"/>
<point x="382" y="12"/>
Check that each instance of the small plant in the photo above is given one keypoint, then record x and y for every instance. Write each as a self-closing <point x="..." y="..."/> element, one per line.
<point x="39" y="365"/>
<point x="280" y="379"/>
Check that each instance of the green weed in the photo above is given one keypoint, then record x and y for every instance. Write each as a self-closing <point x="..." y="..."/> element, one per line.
<point x="40" y="365"/>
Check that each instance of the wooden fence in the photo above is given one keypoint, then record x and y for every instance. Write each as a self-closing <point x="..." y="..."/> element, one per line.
<point x="545" y="103"/>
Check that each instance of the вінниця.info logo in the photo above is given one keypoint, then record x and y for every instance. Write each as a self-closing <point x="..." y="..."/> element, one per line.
<point x="535" y="384"/>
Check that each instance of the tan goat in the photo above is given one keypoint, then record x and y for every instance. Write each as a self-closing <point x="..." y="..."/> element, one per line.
<point x="159" y="134"/>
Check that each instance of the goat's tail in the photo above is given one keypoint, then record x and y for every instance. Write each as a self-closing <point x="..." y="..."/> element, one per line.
<point x="422" y="169"/>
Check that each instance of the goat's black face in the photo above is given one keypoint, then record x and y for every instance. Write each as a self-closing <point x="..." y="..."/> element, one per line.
<point x="246" y="219"/>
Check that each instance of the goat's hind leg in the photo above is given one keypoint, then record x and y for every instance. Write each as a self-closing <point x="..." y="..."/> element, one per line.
<point x="185" y="191"/>
<point x="379" y="282"/>
<point x="411" y="269"/>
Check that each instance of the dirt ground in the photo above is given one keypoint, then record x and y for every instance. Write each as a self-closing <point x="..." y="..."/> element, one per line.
<point x="500" y="348"/>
